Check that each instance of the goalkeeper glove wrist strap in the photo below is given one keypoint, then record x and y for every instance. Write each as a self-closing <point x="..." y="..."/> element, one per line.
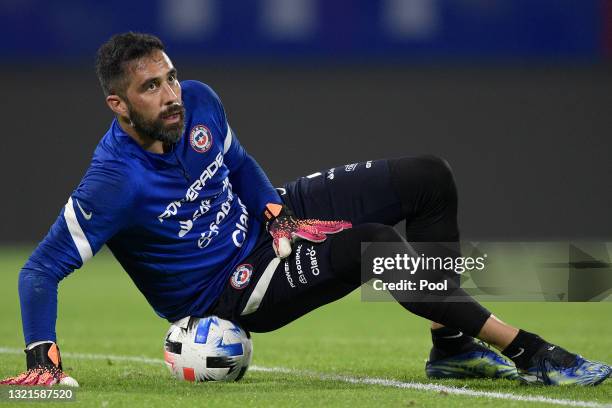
<point x="273" y="210"/>
<point x="44" y="355"/>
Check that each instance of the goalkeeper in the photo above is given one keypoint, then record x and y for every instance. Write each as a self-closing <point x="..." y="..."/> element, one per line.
<point x="195" y="222"/>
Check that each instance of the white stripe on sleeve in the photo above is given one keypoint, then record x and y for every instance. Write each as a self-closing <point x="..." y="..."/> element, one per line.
<point x="76" y="232"/>
<point x="261" y="288"/>
<point x="228" y="139"/>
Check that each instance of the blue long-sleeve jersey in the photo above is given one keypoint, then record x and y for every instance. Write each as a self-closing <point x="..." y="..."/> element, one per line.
<point x="177" y="222"/>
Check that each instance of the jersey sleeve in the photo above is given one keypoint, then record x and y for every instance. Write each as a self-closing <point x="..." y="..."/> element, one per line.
<point x="247" y="177"/>
<point x="100" y="207"/>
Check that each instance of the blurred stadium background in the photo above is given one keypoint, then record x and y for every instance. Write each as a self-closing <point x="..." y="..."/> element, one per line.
<point x="515" y="94"/>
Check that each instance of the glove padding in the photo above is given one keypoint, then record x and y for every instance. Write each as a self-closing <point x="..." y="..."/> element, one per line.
<point x="44" y="365"/>
<point x="285" y="228"/>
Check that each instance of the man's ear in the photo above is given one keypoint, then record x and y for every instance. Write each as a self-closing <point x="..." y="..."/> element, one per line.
<point x="117" y="105"/>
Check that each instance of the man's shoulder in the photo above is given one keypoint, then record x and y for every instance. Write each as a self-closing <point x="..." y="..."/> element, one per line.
<point x="112" y="166"/>
<point x="203" y="105"/>
<point x="115" y="150"/>
<point x="198" y="93"/>
<point x="109" y="180"/>
<point x="193" y="87"/>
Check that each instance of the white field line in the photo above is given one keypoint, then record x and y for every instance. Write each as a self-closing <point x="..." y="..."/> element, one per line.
<point x="352" y="380"/>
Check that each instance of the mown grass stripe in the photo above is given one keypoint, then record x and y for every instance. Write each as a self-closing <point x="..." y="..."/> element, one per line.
<point x="353" y="380"/>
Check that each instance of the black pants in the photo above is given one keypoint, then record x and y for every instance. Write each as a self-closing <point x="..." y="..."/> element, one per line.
<point x="374" y="196"/>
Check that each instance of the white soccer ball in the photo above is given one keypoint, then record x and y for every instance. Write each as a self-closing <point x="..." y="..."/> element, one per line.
<point x="207" y="349"/>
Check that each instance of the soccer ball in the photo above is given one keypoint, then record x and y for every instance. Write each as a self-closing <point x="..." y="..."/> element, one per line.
<point x="207" y="349"/>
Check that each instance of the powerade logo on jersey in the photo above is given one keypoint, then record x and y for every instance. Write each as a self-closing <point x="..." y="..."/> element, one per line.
<point x="205" y="206"/>
<point x="200" y="139"/>
<point x="194" y="190"/>
<point x="241" y="276"/>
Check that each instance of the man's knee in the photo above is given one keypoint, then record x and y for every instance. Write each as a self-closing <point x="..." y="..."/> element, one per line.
<point x="423" y="181"/>
<point x="428" y="170"/>
<point x="438" y="170"/>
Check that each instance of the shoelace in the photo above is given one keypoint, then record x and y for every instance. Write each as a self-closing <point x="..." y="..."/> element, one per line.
<point x="484" y="344"/>
<point x="543" y="368"/>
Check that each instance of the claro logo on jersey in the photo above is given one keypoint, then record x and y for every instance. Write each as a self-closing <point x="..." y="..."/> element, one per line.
<point x="200" y="138"/>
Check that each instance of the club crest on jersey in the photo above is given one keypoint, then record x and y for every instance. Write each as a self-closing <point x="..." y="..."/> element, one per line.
<point x="200" y="138"/>
<point x="241" y="276"/>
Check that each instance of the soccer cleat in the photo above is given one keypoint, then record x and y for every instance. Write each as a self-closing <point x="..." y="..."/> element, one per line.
<point x="478" y="361"/>
<point x="552" y="365"/>
<point x="44" y="368"/>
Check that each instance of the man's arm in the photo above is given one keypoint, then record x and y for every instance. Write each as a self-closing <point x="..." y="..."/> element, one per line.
<point x="95" y="211"/>
<point x="247" y="177"/>
<point x="255" y="190"/>
<point x="261" y="199"/>
<point x="59" y="253"/>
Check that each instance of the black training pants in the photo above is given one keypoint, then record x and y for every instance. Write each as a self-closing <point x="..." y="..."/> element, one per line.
<point x="374" y="196"/>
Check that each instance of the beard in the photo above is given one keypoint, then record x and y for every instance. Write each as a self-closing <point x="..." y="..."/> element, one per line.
<point x="155" y="129"/>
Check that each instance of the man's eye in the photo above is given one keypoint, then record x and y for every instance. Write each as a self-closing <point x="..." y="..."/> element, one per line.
<point x="172" y="78"/>
<point x="152" y="86"/>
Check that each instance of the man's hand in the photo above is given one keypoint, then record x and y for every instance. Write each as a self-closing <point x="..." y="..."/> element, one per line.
<point x="44" y="368"/>
<point x="285" y="228"/>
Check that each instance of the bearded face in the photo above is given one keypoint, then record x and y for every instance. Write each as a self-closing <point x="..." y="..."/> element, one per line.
<point x="167" y="127"/>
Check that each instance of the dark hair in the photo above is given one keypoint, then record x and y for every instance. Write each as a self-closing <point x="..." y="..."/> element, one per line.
<point x="113" y="56"/>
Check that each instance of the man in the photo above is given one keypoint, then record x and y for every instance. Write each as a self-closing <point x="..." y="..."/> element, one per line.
<point x="197" y="225"/>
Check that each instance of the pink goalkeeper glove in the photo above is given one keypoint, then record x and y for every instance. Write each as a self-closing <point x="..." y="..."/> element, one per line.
<point x="285" y="228"/>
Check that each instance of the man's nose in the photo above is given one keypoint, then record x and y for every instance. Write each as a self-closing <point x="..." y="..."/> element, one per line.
<point x="170" y="96"/>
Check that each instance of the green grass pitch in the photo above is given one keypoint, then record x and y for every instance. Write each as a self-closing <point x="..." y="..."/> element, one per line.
<point x="330" y="356"/>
